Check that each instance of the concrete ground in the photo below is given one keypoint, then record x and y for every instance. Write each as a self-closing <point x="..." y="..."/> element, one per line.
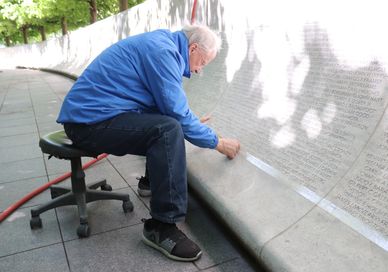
<point x="29" y="103"/>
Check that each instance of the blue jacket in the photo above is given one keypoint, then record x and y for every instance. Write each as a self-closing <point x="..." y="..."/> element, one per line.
<point x="143" y="74"/>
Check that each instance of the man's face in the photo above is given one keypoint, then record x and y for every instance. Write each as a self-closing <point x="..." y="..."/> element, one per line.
<point x="198" y="58"/>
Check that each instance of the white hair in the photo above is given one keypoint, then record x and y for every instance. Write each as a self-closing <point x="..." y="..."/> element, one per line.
<point x="206" y="39"/>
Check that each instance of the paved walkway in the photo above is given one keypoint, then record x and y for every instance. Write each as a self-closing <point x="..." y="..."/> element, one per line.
<point x="29" y="103"/>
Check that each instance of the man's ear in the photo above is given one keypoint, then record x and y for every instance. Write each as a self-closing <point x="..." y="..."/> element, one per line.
<point x="193" y="47"/>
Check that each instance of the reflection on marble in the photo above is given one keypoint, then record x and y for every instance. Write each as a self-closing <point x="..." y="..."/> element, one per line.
<point x="315" y="118"/>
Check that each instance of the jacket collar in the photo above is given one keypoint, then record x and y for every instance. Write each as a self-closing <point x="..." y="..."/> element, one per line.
<point x="182" y="44"/>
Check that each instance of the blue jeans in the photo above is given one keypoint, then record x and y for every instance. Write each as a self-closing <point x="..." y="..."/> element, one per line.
<point x="160" y="138"/>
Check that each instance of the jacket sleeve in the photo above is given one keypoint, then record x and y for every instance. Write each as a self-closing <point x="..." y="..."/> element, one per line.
<point x="163" y="75"/>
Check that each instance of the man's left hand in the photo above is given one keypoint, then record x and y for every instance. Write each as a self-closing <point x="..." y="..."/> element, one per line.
<point x="204" y="119"/>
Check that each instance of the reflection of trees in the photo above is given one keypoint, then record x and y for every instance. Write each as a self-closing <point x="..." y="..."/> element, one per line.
<point x="302" y="115"/>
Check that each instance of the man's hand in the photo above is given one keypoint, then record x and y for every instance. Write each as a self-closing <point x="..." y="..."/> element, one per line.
<point x="204" y="119"/>
<point x="228" y="147"/>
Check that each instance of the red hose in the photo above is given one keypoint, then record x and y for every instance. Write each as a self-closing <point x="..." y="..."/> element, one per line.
<point x="193" y="11"/>
<point x="37" y="191"/>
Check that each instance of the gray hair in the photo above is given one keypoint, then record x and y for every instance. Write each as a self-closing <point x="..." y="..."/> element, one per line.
<point x="203" y="36"/>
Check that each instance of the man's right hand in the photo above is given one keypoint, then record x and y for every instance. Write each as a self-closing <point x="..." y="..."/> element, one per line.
<point x="228" y="147"/>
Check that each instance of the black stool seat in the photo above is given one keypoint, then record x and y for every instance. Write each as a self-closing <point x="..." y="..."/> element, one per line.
<point x="58" y="145"/>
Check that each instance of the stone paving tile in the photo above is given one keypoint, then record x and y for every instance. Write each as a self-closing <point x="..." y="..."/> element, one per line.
<point x="42" y="91"/>
<point x="45" y="99"/>
<point x="204" y="230"/>
<point x="44" y="259"/>
<point x="48" y="110"/>
<point x="21" y="152"/>
<point x="49" y="118"/>
<point x="237" y="264"/>
<point x="104" y="215"/>
<point x="192" y="204"/>
<point x="14" y="141"/>
<point x="120" y="250"/>
<point x="15" y="107"/>
<point x="39" y="86"/>
<point x="145" y="200"/>
<point x="22" y="170"/>
<point x="17" y="87"/>
<point x="214" y="242"/>
<point x="17" y="97"/>
<point x="62" y="86"/>
<point x="9" y="117"/>
<point x="57" y="166"/>
<point x="5" y="124"/>
<point x="99" y="171"/>
<point x="104" y="170"/>
<point x="18" y="130"/>
<point x="12" y="191"/>
<point x="47" y="103"/>
<point x="130" y="167"/>
<point x="16" y="234"/>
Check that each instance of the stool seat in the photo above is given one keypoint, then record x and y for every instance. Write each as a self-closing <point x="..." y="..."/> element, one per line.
<point x="60" y="146"/>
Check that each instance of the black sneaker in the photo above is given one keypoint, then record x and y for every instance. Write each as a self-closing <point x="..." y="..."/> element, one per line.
<point x="143" y="187"/>
<point x="169" y="240"/>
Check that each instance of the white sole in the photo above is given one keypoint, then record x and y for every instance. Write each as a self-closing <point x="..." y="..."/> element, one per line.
<point x="144" y="193"/>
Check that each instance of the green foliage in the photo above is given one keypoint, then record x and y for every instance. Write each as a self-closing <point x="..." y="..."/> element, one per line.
<point x="75" y="11"/>
<point x="33" y="14"/>
<point x="106" y="8"/>
<point x="20" y="12"/>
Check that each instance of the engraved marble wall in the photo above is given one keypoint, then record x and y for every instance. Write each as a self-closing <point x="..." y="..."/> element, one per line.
<point x="364" y="190"/>
<point x="305" y="103"/>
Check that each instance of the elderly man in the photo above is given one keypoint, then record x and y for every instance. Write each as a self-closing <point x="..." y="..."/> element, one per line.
<point x="130" y="100"/>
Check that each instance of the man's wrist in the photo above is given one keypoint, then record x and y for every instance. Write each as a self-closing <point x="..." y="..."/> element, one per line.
<point x="219" y="144"/>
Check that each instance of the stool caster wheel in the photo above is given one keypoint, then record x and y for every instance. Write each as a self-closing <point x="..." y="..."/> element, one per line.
<point x="127" y="206"/>
<point x="35" y="222"/>
<point x="106" y="187"/>
<point x="83" y="230"/>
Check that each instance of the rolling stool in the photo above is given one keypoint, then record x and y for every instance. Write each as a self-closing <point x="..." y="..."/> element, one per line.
<point x="58" y="145"/>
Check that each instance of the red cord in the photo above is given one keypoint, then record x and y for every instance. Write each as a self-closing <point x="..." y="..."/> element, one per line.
<point x="37" y="191"/>
<point x="193" y="12"/>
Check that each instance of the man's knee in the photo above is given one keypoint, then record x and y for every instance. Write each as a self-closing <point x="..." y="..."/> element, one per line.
<point x="171" y="125"/>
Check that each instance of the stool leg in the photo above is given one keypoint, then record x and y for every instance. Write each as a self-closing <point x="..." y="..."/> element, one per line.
<point x="79" y="190"/>
<point x="83" y="229"/>
<point x="81" y="203"/>
<point x="93" y="195"/>
<point x="97" y="184"/>
<point x="63" y="200"/>
<point x="77" y="176"/>
<point x="58" y="191"/>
